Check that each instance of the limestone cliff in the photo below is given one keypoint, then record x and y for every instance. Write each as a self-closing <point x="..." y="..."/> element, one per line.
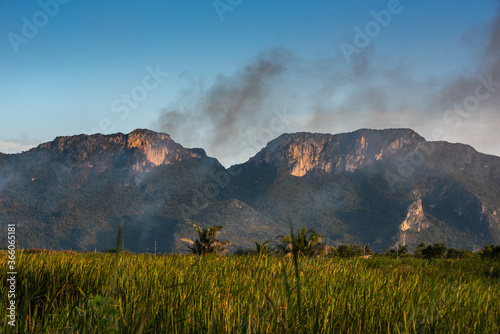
<point x="142" y="149"/>
<point x="415" y="221"/>
<point x="301" y="153"/>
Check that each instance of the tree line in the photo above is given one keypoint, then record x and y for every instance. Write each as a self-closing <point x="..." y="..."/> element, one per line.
<point x="306" y="242"/>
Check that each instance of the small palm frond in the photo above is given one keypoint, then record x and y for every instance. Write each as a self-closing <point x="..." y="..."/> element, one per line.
<point x="186" y="240"/>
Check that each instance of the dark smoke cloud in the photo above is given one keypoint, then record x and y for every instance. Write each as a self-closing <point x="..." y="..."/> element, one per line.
<point x="487" y="54"/>
<point x="218" y="116"/>
<point x="327" y="95"/>
<point x="380" y="92"/>
<point x="477" y="120"/>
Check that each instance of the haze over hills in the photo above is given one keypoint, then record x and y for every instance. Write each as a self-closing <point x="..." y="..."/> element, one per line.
<point x="380" y="187"/>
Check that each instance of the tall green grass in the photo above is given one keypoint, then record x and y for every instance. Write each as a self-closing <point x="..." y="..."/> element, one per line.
<point x="84" y="293"/>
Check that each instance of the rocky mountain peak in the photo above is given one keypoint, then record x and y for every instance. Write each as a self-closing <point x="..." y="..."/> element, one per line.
<point x="303" y="152"/>
<point x="156" y="147"/>
<point x="149" y="147"/>
<point x="143" y="137"/>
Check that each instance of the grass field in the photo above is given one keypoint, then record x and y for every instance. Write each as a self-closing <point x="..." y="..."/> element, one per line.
<point x="59" y="292"/>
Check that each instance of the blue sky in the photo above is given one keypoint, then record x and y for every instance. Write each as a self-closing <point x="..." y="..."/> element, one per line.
<point x="71" y="75"/>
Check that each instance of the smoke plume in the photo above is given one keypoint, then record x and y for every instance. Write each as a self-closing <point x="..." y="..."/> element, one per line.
<point x="327" y="95"/>
<point x="216" y="117"/>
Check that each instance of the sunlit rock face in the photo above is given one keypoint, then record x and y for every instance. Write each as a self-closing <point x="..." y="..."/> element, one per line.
<point x="301" y="153"/>
<point x="158" y="148"/>
<point x="415" y="221"/>
<point x="155" y="150"/>
<point x="140" y="149"/>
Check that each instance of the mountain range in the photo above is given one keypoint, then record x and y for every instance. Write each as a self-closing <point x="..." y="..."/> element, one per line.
<point x="377" y="187"/>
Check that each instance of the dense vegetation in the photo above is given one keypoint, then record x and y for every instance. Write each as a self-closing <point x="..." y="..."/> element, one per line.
<point x="68" y="292"/>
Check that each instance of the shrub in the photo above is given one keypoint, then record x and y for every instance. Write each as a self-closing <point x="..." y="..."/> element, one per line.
<point x="490" y="252"/>
<point x="436" y="251"/>
<point x="453" y="253"/>
<point x="396" y="252"/>
<point x="349" y="250"/>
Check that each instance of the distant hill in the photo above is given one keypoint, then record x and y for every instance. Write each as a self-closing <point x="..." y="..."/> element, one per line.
<point x="380" y="187"/>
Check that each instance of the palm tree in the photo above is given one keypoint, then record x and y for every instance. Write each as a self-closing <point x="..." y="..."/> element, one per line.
<point x="262" y="248"/>
<point x="305" y="242"/>
<point x="206" y="242"/>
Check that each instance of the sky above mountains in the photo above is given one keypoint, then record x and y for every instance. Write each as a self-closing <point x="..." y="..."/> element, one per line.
<point x="231" y="75"/>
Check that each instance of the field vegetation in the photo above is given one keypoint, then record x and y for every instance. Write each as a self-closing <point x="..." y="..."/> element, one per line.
<point x="263" y="292"/>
